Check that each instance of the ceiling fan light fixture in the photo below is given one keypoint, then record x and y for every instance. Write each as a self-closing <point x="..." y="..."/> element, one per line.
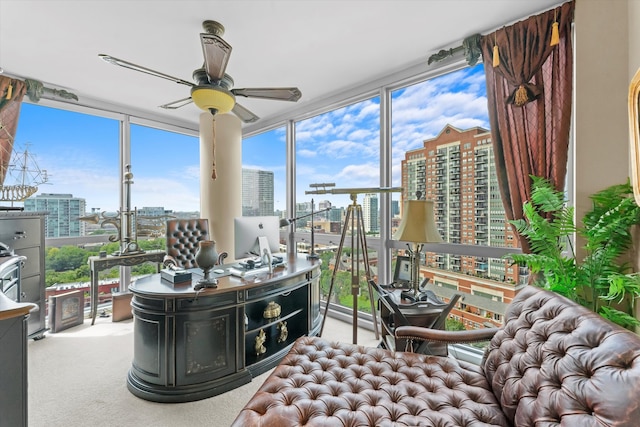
<point x="213" y="98"/>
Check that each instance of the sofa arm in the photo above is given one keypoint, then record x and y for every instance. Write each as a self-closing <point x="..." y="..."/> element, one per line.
<point x="448" y="337"/>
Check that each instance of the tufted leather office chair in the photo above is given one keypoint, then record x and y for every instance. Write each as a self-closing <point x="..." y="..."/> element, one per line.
<point x="183" y="236"/>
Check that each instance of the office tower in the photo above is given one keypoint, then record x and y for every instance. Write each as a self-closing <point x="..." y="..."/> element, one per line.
<point x="370" y="213"/>
<point x="64" y="212"/>
<point x="395" y="208"/>
<point x="257" y="192"/>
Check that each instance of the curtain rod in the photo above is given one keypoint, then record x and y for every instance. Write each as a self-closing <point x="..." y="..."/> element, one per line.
<point x="471" y="47"/>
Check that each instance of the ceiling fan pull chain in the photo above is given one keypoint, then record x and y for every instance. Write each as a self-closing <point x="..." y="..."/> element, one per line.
<point x="213" y="149"/>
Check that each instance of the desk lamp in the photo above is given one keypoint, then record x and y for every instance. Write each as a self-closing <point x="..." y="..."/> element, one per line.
<point x="418" y="226"/>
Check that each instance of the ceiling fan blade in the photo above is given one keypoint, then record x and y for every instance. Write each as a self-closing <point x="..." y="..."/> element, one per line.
<point x="177" y="104"/>
<point x="135" y="67"/>
<point x="216" y="55"/>
<point x="277" y="93"/>
<point x="244" y="114"/>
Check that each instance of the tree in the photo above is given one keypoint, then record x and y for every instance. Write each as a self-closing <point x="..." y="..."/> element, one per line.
<point x="66" y="258"/>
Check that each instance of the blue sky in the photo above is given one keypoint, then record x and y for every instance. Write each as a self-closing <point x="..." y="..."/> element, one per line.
<point x="80" y="152"/>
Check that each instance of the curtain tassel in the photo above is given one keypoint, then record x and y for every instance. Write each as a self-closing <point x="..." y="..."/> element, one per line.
<point x="555" y="34"/>
<point x="9" y="91"/>
<point x="496" y="55"/>
<point x="521" y="97"/>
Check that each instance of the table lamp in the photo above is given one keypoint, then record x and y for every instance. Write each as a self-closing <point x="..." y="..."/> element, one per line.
<point x="418" y="227"/>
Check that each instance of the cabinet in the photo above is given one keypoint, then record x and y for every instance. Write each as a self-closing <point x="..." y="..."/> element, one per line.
<point x="13" y="362"/>
<point x="192" y="345"/>
<point x="23" y="233"/>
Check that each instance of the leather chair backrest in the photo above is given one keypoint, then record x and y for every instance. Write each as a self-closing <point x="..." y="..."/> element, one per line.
<point x="555" y="362"/>
<point x="183" y="236"/>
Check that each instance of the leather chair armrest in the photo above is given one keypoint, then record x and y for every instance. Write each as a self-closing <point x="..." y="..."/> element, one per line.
<point x="169" y="262"/>
<point x="440" y="336"/>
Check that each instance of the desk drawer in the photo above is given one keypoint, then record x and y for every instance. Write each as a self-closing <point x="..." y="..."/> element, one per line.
<point x="20" y="233"/>
<point x="32" y="264"/>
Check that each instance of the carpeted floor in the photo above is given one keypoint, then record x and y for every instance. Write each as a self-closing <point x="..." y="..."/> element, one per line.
<point x="77" y="377"/>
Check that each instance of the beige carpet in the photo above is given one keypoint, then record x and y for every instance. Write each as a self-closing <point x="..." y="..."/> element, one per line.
<point x="77" y="377"/>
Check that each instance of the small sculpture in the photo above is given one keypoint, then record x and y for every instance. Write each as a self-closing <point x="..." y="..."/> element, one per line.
<point x="284" y="332"/>
<point x="260" y="339"/>
<point x="207" y="257"/>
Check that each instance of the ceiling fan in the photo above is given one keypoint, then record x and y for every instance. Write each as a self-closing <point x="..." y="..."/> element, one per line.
<point x="213" y="89"/>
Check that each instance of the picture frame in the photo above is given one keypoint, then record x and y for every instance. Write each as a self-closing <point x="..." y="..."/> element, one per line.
<point x="634" y="133"/>
<point x="402" y="274"/>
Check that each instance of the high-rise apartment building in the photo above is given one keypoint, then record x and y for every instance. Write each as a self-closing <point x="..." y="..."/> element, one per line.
<point x="64" y="212"/>
<point x="257" y="192"/>
<point x="456" y="170"/>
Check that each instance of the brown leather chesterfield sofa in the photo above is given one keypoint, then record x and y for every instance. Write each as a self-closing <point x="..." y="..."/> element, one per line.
<point x="553" y="363"/>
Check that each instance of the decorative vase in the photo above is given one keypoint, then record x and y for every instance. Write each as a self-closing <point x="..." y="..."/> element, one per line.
<point x="206" y="258"/>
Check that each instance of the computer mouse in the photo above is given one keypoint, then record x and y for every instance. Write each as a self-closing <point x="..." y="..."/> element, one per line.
<point x="218" y="271"/>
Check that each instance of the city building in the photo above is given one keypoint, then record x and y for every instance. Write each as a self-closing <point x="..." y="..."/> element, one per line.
<point x="370" y="213"/>
<point x="456" y="170"/>
<point x="64" y="212"/>
<point x="257" y="192"/>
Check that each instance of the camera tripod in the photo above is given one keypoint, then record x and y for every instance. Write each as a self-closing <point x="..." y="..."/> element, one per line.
<point x="354" y="222"/>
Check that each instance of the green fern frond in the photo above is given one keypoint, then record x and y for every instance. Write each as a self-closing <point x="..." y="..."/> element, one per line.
<point x="600" y="278"/>
<point x="619" y="317"/>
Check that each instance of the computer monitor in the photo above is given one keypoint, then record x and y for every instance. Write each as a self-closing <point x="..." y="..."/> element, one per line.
<point x="247" y="229"/>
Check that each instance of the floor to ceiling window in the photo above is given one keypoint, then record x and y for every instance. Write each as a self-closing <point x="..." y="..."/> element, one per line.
<point x="264" y="186"/>
<point x="78" y="151"/>
<point x="337" y="155"/>
<point x="166" y="176"/>
<point x="441" y="145"/>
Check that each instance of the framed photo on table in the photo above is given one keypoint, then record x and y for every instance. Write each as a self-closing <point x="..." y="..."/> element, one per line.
<point x="402" y="275"/>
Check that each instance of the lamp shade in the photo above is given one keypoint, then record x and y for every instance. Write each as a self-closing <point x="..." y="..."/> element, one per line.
<point x="418" y="223"/>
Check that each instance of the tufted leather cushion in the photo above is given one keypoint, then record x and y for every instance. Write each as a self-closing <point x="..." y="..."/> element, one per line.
<point x="183" y="236"/>
<point x="328" y="384"/>
<point x="556" y="362"/>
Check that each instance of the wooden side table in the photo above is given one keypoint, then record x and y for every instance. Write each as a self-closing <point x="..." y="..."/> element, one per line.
<point x="397" y="311"/>
<point x="97" y="263"/>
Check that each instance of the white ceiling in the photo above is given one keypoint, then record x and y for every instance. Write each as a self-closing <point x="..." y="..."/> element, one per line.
<point x="324" y="47"/>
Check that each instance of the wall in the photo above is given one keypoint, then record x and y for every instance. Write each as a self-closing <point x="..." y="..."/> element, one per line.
<point x="634" y="36"/>
<point x="602" y="51"/>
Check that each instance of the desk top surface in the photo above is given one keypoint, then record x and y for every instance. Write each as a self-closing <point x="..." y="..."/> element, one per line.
<point x="154" y="285"/>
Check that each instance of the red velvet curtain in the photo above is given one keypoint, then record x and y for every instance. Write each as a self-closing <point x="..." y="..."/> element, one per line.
<point x="11" y="93"/>
<point x="529" y="96"/>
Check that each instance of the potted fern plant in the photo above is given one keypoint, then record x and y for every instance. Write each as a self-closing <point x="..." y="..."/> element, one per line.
<point x="602" y="280"/>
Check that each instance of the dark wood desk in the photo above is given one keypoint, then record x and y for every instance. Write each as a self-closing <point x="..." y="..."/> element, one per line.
<point x="192" y="345"/>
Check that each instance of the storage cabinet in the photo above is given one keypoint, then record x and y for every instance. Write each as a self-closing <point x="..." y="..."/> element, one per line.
<point x="192" y="345"/>
<point x="278" y="333"/>
<point x="13" y="362"/>
<point x="23" y="233"/>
